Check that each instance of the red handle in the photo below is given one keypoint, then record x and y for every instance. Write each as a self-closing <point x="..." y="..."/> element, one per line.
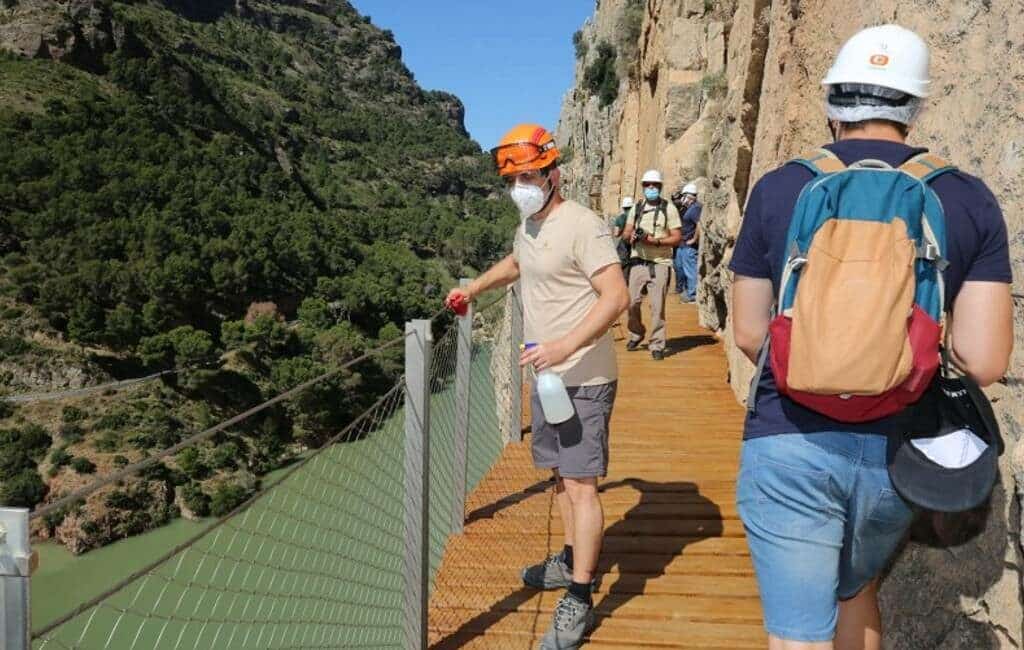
<point x="458" y="304"/>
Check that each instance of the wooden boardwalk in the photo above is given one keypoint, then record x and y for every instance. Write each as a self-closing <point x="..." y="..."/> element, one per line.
<point x="675" y="572"/>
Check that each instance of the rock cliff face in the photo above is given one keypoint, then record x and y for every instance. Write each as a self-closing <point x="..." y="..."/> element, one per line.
<point x="720" y="93"/>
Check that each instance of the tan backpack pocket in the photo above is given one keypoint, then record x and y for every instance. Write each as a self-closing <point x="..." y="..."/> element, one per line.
<point x="851" y="310"/>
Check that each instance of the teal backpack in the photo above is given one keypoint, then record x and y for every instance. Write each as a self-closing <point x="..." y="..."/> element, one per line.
<point x="860" y="312"/>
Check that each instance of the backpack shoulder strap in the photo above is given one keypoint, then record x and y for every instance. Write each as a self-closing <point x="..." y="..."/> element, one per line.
<point x="638" y="212"/>
<point x="821" y="162"/>
<point x="663" y="210"/>
<point x="926" y="167"/>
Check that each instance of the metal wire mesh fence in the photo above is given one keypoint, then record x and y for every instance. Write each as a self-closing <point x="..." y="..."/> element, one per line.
<point x="313" y="561"/>
<point x="478" y="590"/>
<point x="325" y="555"/>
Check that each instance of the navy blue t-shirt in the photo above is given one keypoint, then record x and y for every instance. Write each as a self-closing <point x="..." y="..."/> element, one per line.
<point x="977" y="249"/>
<point x="690" y="220"/>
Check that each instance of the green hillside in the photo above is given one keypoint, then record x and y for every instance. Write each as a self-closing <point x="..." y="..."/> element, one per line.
<point x="170" y="167"/>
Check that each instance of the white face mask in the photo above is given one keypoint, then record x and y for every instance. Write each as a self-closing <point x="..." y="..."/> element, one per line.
<point x="530" y="199"/>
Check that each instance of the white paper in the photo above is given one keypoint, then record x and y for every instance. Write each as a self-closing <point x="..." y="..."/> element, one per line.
<point x="954" y="450"/>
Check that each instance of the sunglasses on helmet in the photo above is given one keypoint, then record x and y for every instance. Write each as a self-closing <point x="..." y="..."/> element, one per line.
<point x="520" y="153"/>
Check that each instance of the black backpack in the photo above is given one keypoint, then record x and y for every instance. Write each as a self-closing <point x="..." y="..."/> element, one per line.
<point x="623" y="247"/>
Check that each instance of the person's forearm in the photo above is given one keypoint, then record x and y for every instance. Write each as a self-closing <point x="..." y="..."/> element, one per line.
<point x="501" y="274"/>
<point x="608" y="308"/>
<point x="672" y="240"/>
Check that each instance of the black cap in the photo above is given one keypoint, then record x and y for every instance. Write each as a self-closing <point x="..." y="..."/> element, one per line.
<point x="949" y="405"/>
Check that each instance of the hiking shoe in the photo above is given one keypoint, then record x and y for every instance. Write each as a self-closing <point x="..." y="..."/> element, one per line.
<point x="552" y="573"/>
<point x="632" y="346"/>
<point x="573" y="620"/>
<point x="658" y="355"/>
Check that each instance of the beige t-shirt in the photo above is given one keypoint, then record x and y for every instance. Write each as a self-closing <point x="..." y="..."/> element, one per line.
<point x="557" y="257"/>
<point x="667" y="220"/>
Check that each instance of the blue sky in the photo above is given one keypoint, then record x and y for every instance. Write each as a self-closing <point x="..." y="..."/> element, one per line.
<point x="508" y="62"/>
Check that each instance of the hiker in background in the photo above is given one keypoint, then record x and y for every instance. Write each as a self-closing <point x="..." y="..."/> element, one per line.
<point x="572" y="291"/>
<point x="820" y="511"/>
<point x="685" y="260"/>
<point x="622" y="246"/>
<point x="653" y="229"/>
<point x="619" y="222"/>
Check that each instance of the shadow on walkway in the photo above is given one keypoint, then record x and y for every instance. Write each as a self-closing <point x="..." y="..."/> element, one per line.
<point x="625" y="551"/>
<point x="637" y="567"/>
<point x="681" y="344"/>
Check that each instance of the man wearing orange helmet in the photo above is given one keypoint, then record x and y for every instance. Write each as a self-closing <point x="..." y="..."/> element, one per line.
<point x="572" y="290"/>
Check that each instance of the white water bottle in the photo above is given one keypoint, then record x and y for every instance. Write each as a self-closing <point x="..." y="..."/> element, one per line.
<point x="554" y="399"/>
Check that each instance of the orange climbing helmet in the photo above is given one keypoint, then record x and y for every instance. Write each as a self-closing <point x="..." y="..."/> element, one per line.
<point x="527" y="147"/>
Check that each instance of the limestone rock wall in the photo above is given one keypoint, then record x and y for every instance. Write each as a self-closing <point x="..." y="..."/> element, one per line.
<point x="723" y="91"/>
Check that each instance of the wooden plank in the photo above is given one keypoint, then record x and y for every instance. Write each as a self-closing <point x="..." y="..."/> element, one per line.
<point x="524" y="630"/>
<point x="675" y="568"/>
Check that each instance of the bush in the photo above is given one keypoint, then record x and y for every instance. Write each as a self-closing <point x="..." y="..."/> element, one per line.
<point x="20" y="450"/>
<point x="35" y="440"/>
<point x="7" y="409"/>
<point x="631" y="22"/>
<point x="226" y="497"/>
<point x="179" y="347"/>
<point x="54" y="519"/>
<point x="316" y="313"/>
<point x="71" y="432"/>
<point x="132" y="498"/>
<point x="580" y="45"/>
<point x="23" y="490"/>
<point x="113" y="421"/>
<point x="11" y="346"/>
<point x="83" y="465"/>
<point x="60" y="457"/>
<point x="72" y="414"/>
<point x="192" y="463"/>
<point x="224" y="456"/>
<point x="196" y="500"/>
<point x="600" y="77"/>
<point x="107" y="442"/>
<point x="120" y="461"/>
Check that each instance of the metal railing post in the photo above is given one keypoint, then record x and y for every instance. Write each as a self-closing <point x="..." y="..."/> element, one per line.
<point x="516" y="339"/>
<point x="15" y="569"/>
<point x="419" y="344"/>
<point x="463" y="368"/>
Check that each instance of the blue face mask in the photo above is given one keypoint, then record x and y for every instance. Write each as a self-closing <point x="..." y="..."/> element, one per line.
<point x="652" y="193"/>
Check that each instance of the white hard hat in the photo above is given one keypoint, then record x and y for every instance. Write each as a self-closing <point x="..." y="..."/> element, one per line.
<point x="690" y="188"/>
<point x="627" y="202"/>
<point x="889" y="56"/>
<point x="652" y="176"/>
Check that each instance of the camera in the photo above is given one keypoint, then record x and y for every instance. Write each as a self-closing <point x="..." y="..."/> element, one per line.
<point x="639" y="234"/>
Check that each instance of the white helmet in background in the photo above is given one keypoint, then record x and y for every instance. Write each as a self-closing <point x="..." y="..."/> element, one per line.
<point x="690" y="188"/>
<point x="880" y="73"/>
<point x="652" y="176"/>
<point x="627" y="203"/>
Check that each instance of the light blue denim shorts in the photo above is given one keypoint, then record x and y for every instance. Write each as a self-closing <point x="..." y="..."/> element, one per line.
<point x="822" y="521"/>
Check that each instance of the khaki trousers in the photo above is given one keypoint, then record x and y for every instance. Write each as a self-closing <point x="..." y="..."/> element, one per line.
<point x="654" y="278"/>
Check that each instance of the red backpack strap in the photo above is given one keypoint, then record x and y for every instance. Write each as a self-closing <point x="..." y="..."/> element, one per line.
<point x="821" y="162"/>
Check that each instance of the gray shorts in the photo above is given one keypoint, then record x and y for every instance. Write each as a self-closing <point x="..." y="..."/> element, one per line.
<point x="578" y="447"/>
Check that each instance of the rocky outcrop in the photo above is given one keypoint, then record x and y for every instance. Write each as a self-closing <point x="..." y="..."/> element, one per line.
<point x="80" y="34"/>
<point x="727" y="90"/>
